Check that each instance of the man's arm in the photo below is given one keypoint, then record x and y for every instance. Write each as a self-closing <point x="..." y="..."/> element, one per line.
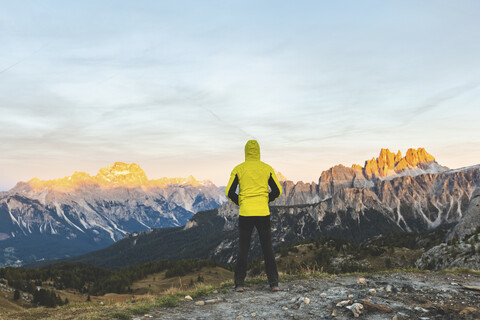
<point x="275" y="187"/>
<point x="231" y="189"/>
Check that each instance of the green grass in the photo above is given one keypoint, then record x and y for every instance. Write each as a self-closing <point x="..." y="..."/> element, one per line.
<point x="142" y="309"/>
<point x="168" y="301"/>
<point x="460" y="271"/>
<point x="202" y="291"/>
<point x="121" y="315"/>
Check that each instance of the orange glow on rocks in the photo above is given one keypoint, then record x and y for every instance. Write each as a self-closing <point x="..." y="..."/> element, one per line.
<point x="117" y="175"/>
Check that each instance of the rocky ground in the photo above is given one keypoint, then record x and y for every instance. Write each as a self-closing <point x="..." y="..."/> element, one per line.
<point x="380" y="296"/>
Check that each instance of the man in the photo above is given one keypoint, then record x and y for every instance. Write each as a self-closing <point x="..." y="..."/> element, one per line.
<point x="254" y="178"/>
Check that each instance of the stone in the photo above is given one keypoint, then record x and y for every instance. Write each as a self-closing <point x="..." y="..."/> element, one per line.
<point x="307" y="300"/>
<point x="475" y="288"/>
<point x="372" y="291"/>
<point x="388" y="288"/>
<point x="356" y="308"/>
<point x="215" y="291"/>
<point x="284" y="308"/>
<point x="421" y="309"/>
<point x="253" y="314"/>
<point x="344" y="303"/>
<point x="395" y="317"/>
<point x="188" y="298"/>
<point x="210" y="301"/>
<point x="376" y="307"/>
<point x="200" y="303"/>
<point x="323" y="295"/>
<point x="334" y="313"/>
<point x="361" y="281"/>
<point x="467" y="311"/>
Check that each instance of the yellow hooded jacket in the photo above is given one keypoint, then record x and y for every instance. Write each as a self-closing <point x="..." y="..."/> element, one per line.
<point x="254" y="178"/>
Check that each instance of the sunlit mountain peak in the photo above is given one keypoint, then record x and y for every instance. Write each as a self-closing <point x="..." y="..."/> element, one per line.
<point x="119" y="174"/>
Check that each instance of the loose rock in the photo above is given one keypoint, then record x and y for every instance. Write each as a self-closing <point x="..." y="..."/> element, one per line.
<point x="421" y="309"/>
<point x="361" y="281"/>
<point x="210" y="301"/>
<point x="188" y="298"/>
<point x="376" y="307"/>
<point x="372" y="291"/>
<point x="200" y="303"/>
<point x="344" y="303"/>
<point x="356" y="308"/>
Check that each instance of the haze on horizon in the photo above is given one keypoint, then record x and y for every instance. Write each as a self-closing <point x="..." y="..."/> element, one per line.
<point x="179" y="87"/>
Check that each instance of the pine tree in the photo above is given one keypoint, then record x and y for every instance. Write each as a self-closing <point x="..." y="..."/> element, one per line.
<point x="16" y="295"/>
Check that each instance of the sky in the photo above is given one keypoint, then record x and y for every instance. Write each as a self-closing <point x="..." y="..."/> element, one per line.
<point x="180" y="86"/>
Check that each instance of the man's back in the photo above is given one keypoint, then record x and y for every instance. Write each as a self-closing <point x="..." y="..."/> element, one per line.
<point x="254" y="178"/>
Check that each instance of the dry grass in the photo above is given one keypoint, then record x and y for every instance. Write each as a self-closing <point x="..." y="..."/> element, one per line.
<point x="153" y="292"/>
<point x="158" y="284"/>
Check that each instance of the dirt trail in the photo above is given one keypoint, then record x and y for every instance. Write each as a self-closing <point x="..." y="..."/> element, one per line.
<point x="384" y="296"/>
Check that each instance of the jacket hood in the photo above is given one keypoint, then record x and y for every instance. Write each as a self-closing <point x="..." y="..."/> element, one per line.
<point x="252" y="150"/>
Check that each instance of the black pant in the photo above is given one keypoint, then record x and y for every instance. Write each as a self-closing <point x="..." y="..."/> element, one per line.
<point x="245" y="228"/>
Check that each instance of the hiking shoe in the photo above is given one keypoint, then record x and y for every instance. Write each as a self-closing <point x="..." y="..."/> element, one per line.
<point x="239" y="289"/>
<point x="275" y="289"/>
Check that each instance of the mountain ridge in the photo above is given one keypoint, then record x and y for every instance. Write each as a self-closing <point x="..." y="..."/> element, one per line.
<point x="119" y="174"/>
<point x="340" y="208"/>
<point x="410" y="193"/>
<point x="80" y="213"/>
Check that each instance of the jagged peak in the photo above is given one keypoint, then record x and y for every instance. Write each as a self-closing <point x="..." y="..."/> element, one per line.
<point x="389" y="163"/>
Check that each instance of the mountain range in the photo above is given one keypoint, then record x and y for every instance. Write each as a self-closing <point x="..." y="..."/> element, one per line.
<point x="389" y="193"/>
<point x="76" y="214"/>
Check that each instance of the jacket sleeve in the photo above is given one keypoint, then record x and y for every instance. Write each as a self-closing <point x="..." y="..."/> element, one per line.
<point x="275" y="187"/>
<point x="231" y="190"/>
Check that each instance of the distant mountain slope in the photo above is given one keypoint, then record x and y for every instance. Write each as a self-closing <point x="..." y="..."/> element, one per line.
<point x="402" y="203"/>
<point x="80" y="213"/>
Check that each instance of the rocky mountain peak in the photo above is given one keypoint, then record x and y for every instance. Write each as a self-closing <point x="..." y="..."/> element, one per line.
<point x="119" y="174"/>
<point x="122" y="174"/>
<point x="389" y="163"/>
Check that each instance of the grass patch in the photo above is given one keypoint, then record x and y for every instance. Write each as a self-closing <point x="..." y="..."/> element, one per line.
<point x="168" y="301"/>
<point x="121" y="315"/>
<point x="202" y="291"/>
<point x="141" y="309"/>
<point x="460" y="271"/>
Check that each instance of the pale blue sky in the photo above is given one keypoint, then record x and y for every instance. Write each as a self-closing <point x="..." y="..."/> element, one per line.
<point x="180" y="86"/>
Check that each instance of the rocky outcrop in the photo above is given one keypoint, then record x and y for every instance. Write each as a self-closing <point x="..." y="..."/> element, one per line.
<point x="411" y="296"/>
<point x="414" y="191"/>
<point x="462" y="246"/>
<point x="470" y="221"/>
